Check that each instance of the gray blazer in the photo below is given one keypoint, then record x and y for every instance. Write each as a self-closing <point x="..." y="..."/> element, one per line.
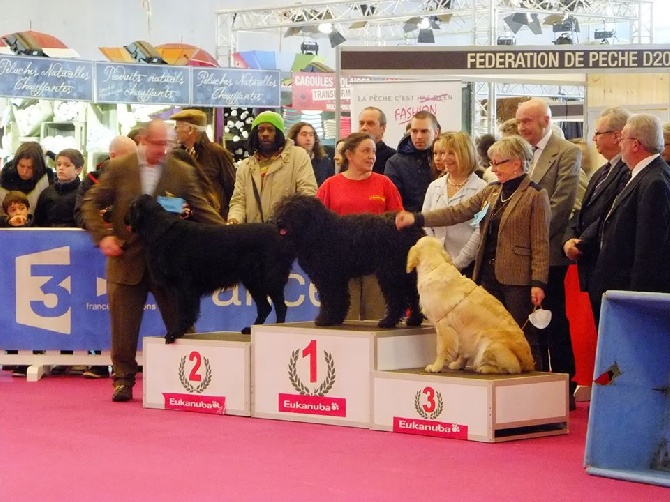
<point x="557" y="171"/>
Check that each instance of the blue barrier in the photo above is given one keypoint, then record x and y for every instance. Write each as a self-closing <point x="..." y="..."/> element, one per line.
<point x="53" y="295"/>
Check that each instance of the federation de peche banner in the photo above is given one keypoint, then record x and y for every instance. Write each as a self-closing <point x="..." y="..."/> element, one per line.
<point x="54" y="295"/>
<point x="574" y="58"/>
<point x="104" y="82"/>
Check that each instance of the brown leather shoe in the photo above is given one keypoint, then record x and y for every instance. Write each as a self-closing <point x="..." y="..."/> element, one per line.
<point x="122" y="393"/>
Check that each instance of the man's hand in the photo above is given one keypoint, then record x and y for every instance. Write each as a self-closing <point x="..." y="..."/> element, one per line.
<point x="536" y="296"/>
<point x="571" y="250"/>
<point x="111" y="246"/>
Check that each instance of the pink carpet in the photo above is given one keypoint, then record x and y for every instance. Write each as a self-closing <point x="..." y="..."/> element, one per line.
<point x="63" y="439"/>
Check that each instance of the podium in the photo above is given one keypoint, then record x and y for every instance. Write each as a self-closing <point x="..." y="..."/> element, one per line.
<point x="301" y="372"/>
<point x="466" y="405"/>
<point x="201" y="372"/>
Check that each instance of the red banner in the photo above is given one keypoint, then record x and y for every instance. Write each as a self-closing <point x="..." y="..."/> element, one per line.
<point x="313" y="405"/>
<point x="188" y="402"/>
<point x="429" y="428"/>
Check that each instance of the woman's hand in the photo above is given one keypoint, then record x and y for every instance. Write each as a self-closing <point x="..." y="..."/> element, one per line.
<point x="111" y="246"/>
<point x="536" y="296"/>
<point x="404" y="219"/>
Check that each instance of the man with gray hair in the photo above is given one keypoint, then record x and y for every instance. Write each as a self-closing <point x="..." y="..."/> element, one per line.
<point x="555" y="167"/>
<point x="634" y="235"/>
<point x="216" y="162"/>
<point x="581" y="240"/>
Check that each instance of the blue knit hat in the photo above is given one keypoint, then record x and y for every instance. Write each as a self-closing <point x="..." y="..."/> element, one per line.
<point x="271" y="118"/>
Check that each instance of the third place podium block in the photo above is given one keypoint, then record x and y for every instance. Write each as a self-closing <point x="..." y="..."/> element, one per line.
<point x="302" y="372"/>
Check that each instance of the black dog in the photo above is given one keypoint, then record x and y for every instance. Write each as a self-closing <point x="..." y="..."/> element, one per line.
<point x="332" y="249"/>
<point x="196" y="259"/>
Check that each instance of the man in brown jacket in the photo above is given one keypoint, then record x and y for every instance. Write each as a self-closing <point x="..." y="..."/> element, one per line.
<point x="148" y="171"/>
<point x="216" y="162"/>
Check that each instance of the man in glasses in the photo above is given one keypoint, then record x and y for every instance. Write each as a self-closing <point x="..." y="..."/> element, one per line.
<point x="147" y="171"/>
<point x="581" y="241"/>
<point x="635" y="232"/>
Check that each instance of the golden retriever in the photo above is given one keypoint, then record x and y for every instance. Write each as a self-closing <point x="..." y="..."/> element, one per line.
<point x="471" y="324"/>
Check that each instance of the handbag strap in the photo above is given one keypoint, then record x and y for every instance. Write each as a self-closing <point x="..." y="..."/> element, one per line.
<point x="258" y="199"/>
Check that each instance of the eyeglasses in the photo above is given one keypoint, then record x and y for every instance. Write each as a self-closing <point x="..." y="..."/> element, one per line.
<point x="493" y="163"/>
<point x="632" y="139"/>
<point x="598" y="133"/>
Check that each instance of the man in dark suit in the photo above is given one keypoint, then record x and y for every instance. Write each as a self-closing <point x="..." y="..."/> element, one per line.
<point x="582" y="240"/>
<point x="372" y="120"/>
<point x="556" y="165"/>
<point x="635" y="232"/>
<point x="148" y="171"/>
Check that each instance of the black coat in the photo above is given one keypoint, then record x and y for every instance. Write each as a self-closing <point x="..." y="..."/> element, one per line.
<point x="636" y="235"/>
<point x="585" y="223"/>
<point x="384" y="153"/>
<point x="411" y="172"/>
<point x="55" y="207"/>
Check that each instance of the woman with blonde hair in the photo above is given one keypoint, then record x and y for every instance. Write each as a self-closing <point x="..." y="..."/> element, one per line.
<point x="455" y="159"/>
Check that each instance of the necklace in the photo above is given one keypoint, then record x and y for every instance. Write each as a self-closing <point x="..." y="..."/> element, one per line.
<point x="505" y="200"/>
<point x="457" y="185"/>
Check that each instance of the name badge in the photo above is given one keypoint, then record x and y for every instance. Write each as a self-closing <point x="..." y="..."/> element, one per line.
<point x="479" y="216"/>
<point x="171" y="204"/>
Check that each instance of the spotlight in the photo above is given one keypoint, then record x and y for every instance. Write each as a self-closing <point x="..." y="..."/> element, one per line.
<point x="336" y="38"/>
<point x="144" y="52"/>
<point x="506" y="40"/>
<point x="426" y="36"/>
<point x="603" y="34"/>
<point x="310" y="48"/>
<point x="23" y="45"/>
<point x="568" y="24"/>
<point x="563" y="39"/>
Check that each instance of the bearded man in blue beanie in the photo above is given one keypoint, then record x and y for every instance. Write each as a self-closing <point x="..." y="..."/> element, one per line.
<point x="274" y="169"/>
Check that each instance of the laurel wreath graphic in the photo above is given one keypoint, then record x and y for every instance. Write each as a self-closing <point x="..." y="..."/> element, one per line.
<point x="202" y="385"/>
<point x="300" y="387"/>
<point x="436" y="412"/>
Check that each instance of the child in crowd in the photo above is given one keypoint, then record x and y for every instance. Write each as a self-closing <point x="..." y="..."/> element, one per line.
<point x="16" y="207"/>
<point x="55" y="206"/>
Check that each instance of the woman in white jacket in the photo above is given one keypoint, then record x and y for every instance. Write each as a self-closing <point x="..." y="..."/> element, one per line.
<point x="454" y="157"/>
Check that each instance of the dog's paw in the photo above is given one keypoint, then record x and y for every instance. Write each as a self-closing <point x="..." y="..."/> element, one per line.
<point x="456" y="365"/>
<point x="326" y="321"/>
<point x="433" y="368"/>
<point x="487" y="369"/>
<point x="387" y="323"/>
<point x="169" y="339"/>
<point x="414" y="320"/>
<point x="246" y="330"/>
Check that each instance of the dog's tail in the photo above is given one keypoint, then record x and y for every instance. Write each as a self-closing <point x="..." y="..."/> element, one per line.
<point x="524" y="355"/>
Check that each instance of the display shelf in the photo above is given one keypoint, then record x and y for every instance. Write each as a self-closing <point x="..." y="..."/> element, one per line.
<point x="56" y="136"/>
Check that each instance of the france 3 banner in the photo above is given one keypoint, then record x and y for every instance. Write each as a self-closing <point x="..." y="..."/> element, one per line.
<point x="54" y="295"/>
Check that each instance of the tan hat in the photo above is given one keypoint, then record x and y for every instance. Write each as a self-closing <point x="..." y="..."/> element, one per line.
<point x="195" y="117"/>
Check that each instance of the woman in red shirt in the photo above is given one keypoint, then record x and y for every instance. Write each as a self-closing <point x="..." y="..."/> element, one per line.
<point x="357" y="189"/>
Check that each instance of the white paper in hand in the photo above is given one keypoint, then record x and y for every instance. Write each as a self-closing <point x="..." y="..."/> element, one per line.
<point x="540" y="318"/>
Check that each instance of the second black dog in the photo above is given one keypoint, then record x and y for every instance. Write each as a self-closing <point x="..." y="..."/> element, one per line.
<point x="196" y="259"/>
<point x="332" y="249"/>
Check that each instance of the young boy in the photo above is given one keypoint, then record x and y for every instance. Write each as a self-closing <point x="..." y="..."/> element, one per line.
<point x="16" y="205"/>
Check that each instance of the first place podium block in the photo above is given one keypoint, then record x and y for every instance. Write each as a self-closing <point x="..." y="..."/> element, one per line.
<point x="466" y="405"/>
<point x="202" y="372"/>
<point x="306" y="373"/>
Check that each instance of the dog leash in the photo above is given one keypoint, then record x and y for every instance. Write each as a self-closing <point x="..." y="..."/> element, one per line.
<point x="459" y="302"/>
